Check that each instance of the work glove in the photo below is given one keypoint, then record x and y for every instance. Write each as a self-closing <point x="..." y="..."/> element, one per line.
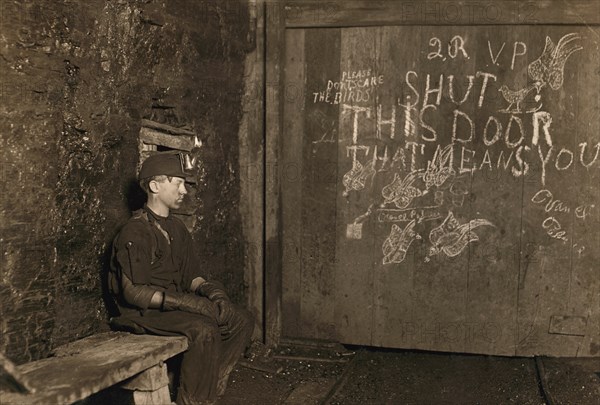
<point x="176" y="301"/>
<point x="215" y="292"/>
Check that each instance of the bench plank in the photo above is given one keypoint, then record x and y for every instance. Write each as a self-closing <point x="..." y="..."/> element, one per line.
<point x="93" y="364"/>
<point x="11" y="379"/>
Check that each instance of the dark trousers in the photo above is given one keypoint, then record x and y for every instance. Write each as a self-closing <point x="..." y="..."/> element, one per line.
<point x="212" y="352"/>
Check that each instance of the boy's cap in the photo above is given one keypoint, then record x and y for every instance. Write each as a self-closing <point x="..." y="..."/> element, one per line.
<point x="164" y="163"/>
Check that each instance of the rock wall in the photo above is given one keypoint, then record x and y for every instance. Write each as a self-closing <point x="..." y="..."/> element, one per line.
<point x="77" y="78"/>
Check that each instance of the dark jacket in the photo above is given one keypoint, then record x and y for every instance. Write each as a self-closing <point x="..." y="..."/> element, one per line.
<point x="151" y="251"/>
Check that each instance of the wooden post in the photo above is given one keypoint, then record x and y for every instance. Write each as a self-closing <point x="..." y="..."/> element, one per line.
<point x="252" y="171"/>
<point x="274" y="45"/>
<point x="150" y="387"/>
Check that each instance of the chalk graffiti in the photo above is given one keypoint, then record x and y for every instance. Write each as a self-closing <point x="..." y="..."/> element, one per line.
<point x="420" y="214"/>
<point x="512" y="135"/>
<point x="397" y="243"/>
<point x="516" y="97"/>
<point x="439" y="197"/>
<point x="579" y="250"/>
<point x="584" y="211"/>
<point x="354" y="86"/>
<point x="384" y="159"/>
<point x="439" y="168"/>
<point x="457" y="43"/>
<point x="354" y="230"/>
<point x="552" y="204"/>
<point x="458" y="193"/>
<point x="452" y="118"/>
<point x="357" y="177"/>
<point x="451" y="237"/>
<point x="471" y="79"/>
<point x="391" y="122"/>
<point x="366" y="215"/>
<point x="401" y="192"/>
<point x="495" y="59"/>
<point x="515" y="53"/>
<point x="514" y="132"/>
<point x="583" y="146"/>
<point x="554" y="229"/>
<point x="551" y="224"/>
<point x="548" y="69"/>
<point x="325" y="125"/>
<point x="412" y="82"/>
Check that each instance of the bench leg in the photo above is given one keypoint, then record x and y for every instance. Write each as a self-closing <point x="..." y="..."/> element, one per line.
<point x="158" y="397"/>
<point x="150" y="387"/>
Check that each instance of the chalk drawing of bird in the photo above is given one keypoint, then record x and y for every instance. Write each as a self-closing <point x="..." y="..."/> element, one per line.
<point x="451" y="237"/>
<point x="357" y="177"/>
<point x="438" y="168"/>
<point x="515" y="97"/>
<point x="349" y="177"/>
<point x="549" y="67"/>
<point x="397" y="243"/>
<point x="401" y="192"/>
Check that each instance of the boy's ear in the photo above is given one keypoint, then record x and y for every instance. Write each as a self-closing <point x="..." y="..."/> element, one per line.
<point x="153" y="186"/>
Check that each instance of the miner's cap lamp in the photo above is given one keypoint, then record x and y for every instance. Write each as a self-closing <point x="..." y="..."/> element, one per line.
<point x="164" y="163"/>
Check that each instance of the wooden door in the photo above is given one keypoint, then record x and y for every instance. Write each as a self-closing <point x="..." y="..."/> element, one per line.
<point x="439" y="187"/>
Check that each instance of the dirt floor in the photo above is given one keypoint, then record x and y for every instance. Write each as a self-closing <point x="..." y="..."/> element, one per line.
<point x="332" y="374"/>
<point x="289" y="375"/>
<point x="335" y="374"/>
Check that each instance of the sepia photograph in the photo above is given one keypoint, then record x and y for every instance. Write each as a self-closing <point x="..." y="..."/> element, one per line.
<point x="300" y="202"/>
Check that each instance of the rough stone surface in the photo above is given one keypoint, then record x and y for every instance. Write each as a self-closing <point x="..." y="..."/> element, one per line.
<point x="77" y="78"/>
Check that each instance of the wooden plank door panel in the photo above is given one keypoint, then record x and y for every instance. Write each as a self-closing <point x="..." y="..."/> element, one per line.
<point x="448" y="196"/>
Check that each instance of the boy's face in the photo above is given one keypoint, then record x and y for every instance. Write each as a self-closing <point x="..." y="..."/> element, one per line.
<point x="170" y="193"/>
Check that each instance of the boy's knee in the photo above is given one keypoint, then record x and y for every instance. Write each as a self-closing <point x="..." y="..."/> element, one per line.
<point x="204" y="332"/>
<point x="245" y="322"/>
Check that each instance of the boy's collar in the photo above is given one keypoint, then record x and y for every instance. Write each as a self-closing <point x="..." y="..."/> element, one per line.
<point x="154" y="215"/>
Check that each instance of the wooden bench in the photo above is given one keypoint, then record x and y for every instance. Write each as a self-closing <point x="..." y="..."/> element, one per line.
<point x="87" y="366"/>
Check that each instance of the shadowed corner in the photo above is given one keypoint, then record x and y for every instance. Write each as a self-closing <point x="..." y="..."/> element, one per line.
<point x="134" y="194"/>
<point x="109" y="303"/>
<point x="135" y="199"/>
